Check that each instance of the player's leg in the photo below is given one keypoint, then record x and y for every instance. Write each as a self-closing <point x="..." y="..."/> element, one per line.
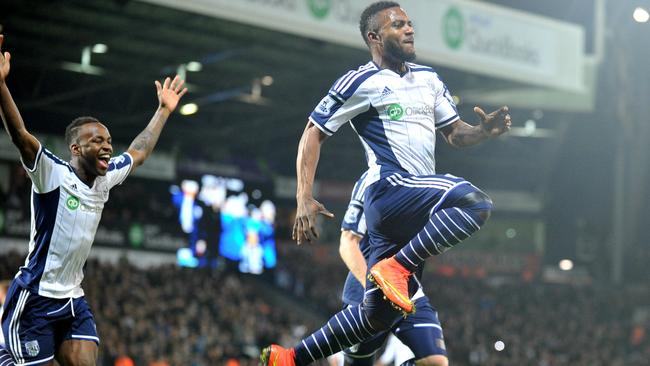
<point x="74" y="352"/>
<point x="422" y="334"/>
<point x="415" y="218"/>
<point x="345" y="329"/>
<point x="363" y="354"/>
<point x="5" y="357"/>
<point x="27" y="327"/>
<point x="80" y="341"/>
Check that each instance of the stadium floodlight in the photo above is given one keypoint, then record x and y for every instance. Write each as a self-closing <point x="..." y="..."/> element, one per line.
<point x="100" y="48"/>
<point x="566" y="264"/>
<point x="194" y="66"/>
<point x="189" y="108"/>
<point x="640" y="15"/>
<point x="267" y="80"/>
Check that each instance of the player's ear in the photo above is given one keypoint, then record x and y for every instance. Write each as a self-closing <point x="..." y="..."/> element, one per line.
<point x="75" y="149"/>
<point x="373" y="36"/>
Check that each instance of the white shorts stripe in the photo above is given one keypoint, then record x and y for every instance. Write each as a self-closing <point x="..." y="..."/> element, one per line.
<point x="35" y="362"/>
<point x="78" y="336"/>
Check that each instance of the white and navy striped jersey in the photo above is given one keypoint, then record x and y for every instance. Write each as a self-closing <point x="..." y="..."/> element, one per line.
<point x="396" y="116"/>
<point x="65" y="216"/>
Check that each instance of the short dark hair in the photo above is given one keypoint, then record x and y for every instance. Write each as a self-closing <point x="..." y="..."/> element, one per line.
<point x="369" y="13"/>
<point x="72" y="131"/>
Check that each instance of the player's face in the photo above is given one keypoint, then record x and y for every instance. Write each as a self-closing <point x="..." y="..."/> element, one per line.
<point x="397" y="34"/>
<point x="95" y="148"/>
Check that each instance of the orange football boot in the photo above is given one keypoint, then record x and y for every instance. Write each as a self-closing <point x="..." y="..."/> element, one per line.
<point x="392" y="278"/>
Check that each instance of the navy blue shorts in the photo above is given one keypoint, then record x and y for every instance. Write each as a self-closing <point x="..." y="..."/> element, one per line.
<point x="421" y="332"/>
<point x="397" y="208"/>
<point x="35" y="326"/>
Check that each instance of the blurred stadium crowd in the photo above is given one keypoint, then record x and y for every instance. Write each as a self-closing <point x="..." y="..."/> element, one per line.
<point x="178" y="316"/>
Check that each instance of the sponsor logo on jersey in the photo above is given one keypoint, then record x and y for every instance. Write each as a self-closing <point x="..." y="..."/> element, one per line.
<point x="72" y="203"/>
<point x="395" y="111"/>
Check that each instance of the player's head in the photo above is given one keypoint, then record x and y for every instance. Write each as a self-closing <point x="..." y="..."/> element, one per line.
<point x="385" y="26"/>
<point x="90" y="143"/>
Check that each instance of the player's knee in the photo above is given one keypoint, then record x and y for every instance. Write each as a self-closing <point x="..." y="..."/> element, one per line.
<point x="479" y="203"/>
<point x="433" y="360"/>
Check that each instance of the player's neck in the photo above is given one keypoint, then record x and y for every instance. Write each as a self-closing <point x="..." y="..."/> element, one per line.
<point x="383" y="62"/>
<point x="82" y="173"/>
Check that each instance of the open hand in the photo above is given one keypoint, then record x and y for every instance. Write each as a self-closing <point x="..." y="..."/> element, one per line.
<point x="170" y="92"/>
<point x="304" y="228"/>
<point x="4" y="61"/>
<point x="495" y="123"/>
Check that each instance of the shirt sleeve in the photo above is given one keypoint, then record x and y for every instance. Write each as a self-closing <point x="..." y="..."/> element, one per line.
<point x="354" y="219"/>
<point x="48" y="171"/>
<point x="344" y="101"/>
<point x="445" y="110"/>
<point x="119" y="167"/>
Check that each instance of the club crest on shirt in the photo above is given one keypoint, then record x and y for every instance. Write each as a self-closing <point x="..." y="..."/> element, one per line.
<point x="351" y="215"/>
<point x="32" y="348"/>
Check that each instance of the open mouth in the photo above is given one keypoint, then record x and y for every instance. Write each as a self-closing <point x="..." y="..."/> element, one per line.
<point x="104" y="160"/>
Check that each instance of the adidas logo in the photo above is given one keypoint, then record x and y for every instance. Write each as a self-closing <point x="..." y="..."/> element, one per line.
<point x="386" y="91"/>
<point x="74" y="186"/>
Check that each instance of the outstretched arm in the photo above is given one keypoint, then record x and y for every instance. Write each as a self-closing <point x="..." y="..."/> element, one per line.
<point x="304" y="228"/>
<point x="169" y="93"/>
<point x="462" y="134"/>
<point x="26" y="143"/>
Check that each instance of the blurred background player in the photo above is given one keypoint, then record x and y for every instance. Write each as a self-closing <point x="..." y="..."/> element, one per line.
<point x="46" y="314"/>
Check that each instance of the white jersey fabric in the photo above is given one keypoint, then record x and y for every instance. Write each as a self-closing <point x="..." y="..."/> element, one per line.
<point x="396" y="116"/>
<point x="65" y="216"/>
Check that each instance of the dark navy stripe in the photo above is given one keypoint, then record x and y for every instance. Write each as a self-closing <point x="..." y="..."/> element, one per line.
<point x="56" y="159"/>
<point x="357" y="82"/>
<point x="445" y="122"/>
<point x="371" y="129"/>
<point x="119" y="162"/>
<point x="45" y="208"/>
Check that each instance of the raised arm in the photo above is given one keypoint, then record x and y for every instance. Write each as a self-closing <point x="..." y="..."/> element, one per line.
<point x="26" y="144"/>
<point x="462" y="134"/>
<point x="304" y="228"/>
<point x="169" y="93"/>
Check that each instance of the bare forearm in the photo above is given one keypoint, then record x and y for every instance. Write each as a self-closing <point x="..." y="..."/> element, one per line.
<point x="352" y="256"/>
<point x="464" y="135"/>
<point x="11" y="118"/>
<point x="307" y="161"/>
<point x="143" y="144"/>
<point x="26" y="143"/>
